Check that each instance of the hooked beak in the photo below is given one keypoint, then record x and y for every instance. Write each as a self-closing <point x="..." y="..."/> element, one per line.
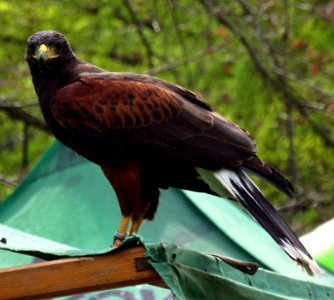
<point x="44" y="53"/>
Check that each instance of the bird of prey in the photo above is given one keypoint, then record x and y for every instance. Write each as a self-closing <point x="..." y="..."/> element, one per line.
<point x="148" y="134"/>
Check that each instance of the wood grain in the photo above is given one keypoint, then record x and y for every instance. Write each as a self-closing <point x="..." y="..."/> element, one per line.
<point x="75" y="275"/>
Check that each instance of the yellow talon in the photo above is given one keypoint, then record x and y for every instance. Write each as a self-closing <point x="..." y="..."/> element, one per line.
<point x="121" y="232"/>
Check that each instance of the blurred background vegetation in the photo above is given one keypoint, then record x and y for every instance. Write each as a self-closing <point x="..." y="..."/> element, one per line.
<point x="267" y="65"/>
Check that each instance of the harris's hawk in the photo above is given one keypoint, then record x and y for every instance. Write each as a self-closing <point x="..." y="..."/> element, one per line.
<point x="148" y="134"/>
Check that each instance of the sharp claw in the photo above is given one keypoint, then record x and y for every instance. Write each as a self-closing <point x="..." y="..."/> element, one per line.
<point x="119" y="238"/>
<point x="117" y="242"/>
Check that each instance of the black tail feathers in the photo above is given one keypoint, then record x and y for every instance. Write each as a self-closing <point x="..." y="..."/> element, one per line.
<point x="242" y="188"/>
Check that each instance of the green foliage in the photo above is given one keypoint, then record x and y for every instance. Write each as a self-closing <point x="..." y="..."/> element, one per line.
<point x="187" y="42"/>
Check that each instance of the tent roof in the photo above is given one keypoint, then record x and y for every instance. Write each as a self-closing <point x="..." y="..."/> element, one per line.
<point x="67" y="199"/>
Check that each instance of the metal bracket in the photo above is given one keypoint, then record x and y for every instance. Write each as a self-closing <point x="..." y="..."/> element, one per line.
<point x="142" y="264"/>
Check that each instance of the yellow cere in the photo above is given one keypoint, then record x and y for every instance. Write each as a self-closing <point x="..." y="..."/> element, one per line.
<point x="50" y="52"/>
<point x="42" y="47"/>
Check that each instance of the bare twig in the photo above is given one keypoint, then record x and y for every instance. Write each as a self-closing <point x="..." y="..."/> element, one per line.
<point x="320" y="90"/>
<point x="16" y="112"/>
<point x="306" y="202"/>
<point x="189" y="59"/>
<point x="292" y="161"/>
<point x="4" y="101"/>
<point x="139" y="28"/>
<point x="8" y="181"/>
<point x="180" y="38"/>
<point x="25" y="146"/>
<point x="277" y="81"/>
<point x="293" y="169"/>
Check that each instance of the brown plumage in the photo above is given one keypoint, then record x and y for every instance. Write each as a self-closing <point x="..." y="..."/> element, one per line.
<point x="147" y="134"/>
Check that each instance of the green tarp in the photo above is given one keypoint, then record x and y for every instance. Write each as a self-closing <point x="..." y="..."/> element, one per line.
<point x="189" y="274"/>
<point x="67" y="199"/>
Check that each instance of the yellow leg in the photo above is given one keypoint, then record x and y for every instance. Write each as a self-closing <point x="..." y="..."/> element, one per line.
<point x="121" y="233"/>
<point x="135" y="225"/>
<point x="123" y="227"/>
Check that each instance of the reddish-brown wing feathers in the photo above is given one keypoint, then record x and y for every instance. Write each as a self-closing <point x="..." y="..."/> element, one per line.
<point x="113" y="104"/>
<point x="149" y="112"/>
<point x="139" y="110"/>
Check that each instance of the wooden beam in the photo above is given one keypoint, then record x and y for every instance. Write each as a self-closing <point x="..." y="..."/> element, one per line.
<point x="77" y="275"/>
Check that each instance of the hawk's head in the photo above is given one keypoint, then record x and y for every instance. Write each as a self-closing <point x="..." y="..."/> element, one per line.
<point x="46" y="49"/>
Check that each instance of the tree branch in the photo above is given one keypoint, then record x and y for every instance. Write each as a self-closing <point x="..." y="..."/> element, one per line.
<point x="189" y="59"/>
<point x="25" y="147"/>
<point x="277" y="81"/>
<point x="139" y="28"/>
<point x="8" y="181"/>
<point x="16" y="112"/>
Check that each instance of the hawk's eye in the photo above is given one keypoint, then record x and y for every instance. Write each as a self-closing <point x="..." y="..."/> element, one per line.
<point x="32" y="47"/>
<point x="59" y="46"/>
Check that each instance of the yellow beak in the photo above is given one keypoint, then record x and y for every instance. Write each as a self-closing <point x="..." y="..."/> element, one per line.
<point x="44" y="53"/>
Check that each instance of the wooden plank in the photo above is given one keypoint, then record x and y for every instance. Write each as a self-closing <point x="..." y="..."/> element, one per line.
<point x="75" y="275"/>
